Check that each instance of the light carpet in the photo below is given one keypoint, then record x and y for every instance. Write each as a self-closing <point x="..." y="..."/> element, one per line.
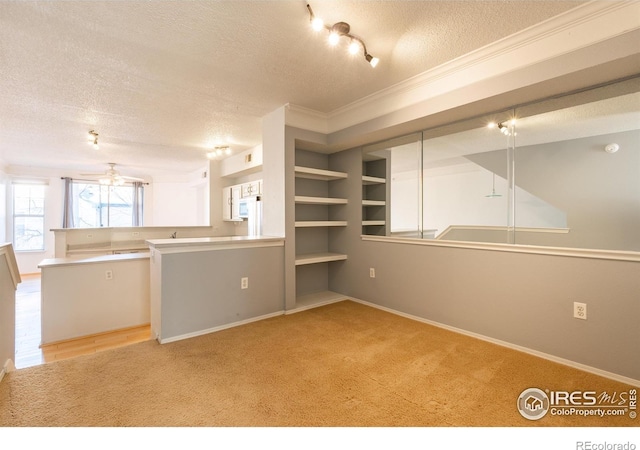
<point x="340" y="365"/>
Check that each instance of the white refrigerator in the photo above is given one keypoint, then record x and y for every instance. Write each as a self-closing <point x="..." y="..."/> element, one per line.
<point x="254" y="215"/>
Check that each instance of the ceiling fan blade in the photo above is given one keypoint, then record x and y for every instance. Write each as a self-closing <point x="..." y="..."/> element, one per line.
<point x="112" y="173"/>
<point x="131" y="178"/>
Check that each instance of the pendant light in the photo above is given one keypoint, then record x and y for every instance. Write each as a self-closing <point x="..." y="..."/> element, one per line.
<point x="493" y="189"/>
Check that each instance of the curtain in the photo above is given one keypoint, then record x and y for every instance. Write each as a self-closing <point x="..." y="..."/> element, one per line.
<point x="137" y="204"/>
<point x="67" y="214"/>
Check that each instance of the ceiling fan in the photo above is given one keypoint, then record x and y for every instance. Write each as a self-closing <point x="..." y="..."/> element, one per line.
<point x="111" y="177"/>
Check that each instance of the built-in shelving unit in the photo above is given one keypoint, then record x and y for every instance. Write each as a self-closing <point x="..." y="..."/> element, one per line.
<point x="374" y="203"/>
<point x="368" y="180"/>
<point x="304" y="200"/>
<point x="373" y="223"/>
<point x="316" y="299"/>
<point x="315" y="258"/>
<point x="312" y="173"/>
<point x="320" y="223"/>
<point x="374" y="197"/>
<point x="319" y="212"/>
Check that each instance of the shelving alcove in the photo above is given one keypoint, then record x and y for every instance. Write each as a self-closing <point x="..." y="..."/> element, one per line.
<point x="319" y="213"/>
<point x="374" y="197"/>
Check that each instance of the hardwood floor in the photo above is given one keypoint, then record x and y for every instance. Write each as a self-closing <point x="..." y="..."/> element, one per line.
<point x="28" y="350"/>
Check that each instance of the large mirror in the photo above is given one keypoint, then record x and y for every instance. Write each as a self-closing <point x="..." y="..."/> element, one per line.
<point x="564" y="172"/>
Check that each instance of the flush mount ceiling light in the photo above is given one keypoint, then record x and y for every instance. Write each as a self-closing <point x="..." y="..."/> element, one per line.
<point x="612" y="148"/>
<point x="219" y="151"/>
<point x="339" y="30"/>
<point x="93" y="139"/>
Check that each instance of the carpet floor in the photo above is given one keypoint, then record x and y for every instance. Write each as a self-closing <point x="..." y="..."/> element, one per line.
<point x="340" y="365"/>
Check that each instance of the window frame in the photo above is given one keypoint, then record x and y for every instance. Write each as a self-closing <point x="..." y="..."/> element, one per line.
<point x="104" y="211"/>
<point x="14" y="215"/>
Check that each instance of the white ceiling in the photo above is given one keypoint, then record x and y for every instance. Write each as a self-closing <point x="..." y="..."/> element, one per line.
<point x="161" y="81"/>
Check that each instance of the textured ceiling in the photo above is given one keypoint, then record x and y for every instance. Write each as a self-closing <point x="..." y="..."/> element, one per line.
<point x="162" y="80"/>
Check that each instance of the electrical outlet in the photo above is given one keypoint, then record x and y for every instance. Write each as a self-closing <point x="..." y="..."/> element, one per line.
<point x="135" y="234"/>
<point x="89" y="236"/>
<point x="372" y="272"/>
<point x="108" y="275"/>
<point x="580" y="310"/>
<point x="244" y="283"/>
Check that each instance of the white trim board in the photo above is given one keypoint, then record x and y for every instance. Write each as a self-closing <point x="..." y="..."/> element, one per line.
<point x="8" y="367"/>
<point x="219" y="328"/>
<point x="616" y="255"/>
<point x="556" y="359"/>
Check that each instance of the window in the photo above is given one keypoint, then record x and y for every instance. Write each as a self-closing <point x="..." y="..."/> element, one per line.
<point x="28" y="217"/>
<point x="96" y="205"/>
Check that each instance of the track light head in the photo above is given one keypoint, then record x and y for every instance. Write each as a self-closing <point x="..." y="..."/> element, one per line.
<point x="336" y="31"/>
<point x="372" y="60"/>
<point x="317" y="24"/>
<point x="353" y="47"/>
<point x="507" y="129"/>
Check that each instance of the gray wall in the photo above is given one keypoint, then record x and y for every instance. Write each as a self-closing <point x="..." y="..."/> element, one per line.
<point x="522" y="299"/>
<point x="201" y="290"/>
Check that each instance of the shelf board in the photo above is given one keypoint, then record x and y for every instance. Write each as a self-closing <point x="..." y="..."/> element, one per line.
<point x="318" y="174"/>
<point x="367" y="223"/>
<point x="300" y="199"/>
<point x="315" y="258"/>
<point x="316" y="299"/>
<point x="373" y="203"/>
<point x="321" y="223"/>
<point x="372" y="180"/>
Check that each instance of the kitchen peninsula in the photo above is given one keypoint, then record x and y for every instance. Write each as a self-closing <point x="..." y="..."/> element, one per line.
<point x="95" y="294"/>
<point x="202" y="285"/>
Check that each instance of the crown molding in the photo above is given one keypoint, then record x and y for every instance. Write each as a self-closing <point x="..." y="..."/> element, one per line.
<point x="576" y="29"/>
<point x="306" y="119"/>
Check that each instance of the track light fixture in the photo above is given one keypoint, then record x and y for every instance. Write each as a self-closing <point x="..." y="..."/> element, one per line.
<point x="93" y="138"/>
<point x="342" y="29"/>
<point x="222" y="150"/>
<point x="505" y="128"/>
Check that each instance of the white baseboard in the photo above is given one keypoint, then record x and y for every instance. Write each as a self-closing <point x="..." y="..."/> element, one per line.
<point x="219" y="328"/>
<point x="6" y="368"/>
<point x="556" y="359"/>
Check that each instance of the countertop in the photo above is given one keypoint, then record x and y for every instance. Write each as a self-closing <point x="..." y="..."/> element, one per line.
<point x="215" y="242"/>
<point x="56" y="262"/>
